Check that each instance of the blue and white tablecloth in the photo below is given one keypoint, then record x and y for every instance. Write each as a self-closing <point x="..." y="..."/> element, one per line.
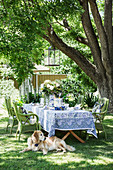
<point x="64" y="119"/>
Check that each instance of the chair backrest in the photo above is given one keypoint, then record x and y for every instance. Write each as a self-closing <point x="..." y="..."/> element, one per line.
<point x="9" y="107"/>
<point x="105" y="103"/>
<point x="20" y="116"/>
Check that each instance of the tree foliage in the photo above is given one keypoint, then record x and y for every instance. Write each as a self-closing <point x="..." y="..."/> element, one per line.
<point x="64" y="24"/>
<point x="23" y="25"/>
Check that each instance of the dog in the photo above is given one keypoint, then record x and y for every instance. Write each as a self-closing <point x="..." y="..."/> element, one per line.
<point x="54" y="143"/>
<point x="39" y="142"/>
<point x="33" y="141"/>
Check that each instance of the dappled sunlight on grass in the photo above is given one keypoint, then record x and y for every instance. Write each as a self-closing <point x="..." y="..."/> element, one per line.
<point x="93" y="154"/>
<point x="109" y="121"/>
<point x="61" y="158"/>
<point x="103" y="160"/>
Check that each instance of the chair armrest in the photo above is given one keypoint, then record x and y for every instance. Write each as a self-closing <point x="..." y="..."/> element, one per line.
<point x="29" y="115"/>
<point x="96" y="113"/>
<point x="99" y="116"/>
<point x="28" y="118"/>
<point x="30" y="112"/>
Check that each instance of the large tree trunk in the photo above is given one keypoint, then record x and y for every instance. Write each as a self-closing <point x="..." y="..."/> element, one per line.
<point x="105" y="85"/>
<point x="106" y="90"/>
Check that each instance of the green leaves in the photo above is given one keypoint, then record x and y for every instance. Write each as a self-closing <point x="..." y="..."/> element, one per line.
<point x="22" y="66"/>
<point x="6" y="88"/>
<point x="24" y="23"/>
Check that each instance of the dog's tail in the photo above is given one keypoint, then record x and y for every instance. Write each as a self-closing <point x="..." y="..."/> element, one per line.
<point x="70" y="148"/>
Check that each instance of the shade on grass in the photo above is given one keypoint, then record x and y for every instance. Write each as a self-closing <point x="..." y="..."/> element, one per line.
<point x="94" y="154"/>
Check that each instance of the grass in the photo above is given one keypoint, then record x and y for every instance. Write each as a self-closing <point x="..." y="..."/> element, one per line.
<point x="93" y="154"/>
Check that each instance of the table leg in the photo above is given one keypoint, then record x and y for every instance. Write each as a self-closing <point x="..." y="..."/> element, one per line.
<point x="67" y="134"/>
<point x="71" y="132"/>
<point x="82" y="141"/>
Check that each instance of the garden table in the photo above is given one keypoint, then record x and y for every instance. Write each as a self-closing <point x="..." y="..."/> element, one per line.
<point x="67" y="120"/>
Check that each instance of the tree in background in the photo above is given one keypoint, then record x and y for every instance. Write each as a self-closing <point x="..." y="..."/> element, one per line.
<point x="69" y="67"/>
<point x="64" y="24"/>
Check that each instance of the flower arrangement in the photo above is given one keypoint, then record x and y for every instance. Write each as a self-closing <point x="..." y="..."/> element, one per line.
<point x="51" y="87"/>
<point x="57" y="88"/>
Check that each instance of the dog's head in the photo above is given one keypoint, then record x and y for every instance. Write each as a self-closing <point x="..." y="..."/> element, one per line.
<point x="37" y="136"/>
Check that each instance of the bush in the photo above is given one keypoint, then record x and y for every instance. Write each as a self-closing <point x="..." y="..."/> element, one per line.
<point x="71" y="89"/>
<point x="90" y="99"/>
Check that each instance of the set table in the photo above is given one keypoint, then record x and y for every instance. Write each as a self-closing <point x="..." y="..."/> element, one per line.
<point x="66" y="120"/>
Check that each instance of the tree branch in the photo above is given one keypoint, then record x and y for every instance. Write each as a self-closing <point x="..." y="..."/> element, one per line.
<point x="66" y="25"/>
<point x="79" y="39"/>
<point x="102" y="35"/>
<point x="47" y="38"/>
<point x="83" y="40"/>
<point x="68" y="28"/>
<point x="108" y="24"/>
<point x="90" y="34"/>
<point x="4" y="6"/>
<point x="75" y="55"/>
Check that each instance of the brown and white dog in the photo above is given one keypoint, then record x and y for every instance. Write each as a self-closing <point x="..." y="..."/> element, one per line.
<point x="39" y="142"/>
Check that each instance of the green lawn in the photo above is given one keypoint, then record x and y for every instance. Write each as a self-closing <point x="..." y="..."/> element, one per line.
<point x="93" y="154"/>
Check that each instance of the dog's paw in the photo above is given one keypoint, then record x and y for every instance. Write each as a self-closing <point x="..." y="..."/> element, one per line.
<point x="64" y="151"/>
<point x="45" y="151"/>
<point x="58" y="150"/>
<point x="34" y="150"/>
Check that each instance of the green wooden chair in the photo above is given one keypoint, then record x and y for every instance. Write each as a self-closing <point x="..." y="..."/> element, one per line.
<point x="12" y="119"/>
<point x="100" y="115"/>
<point x="26" y="122"/>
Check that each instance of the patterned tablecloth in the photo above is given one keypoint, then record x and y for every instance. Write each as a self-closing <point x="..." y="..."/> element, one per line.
<point x="64" y="119"/>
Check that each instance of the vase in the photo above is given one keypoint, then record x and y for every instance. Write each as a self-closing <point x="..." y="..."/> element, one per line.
<point x="51" y="100"/>
<point x="42" y="100"/>
<point x="58" y="102"/>
<point x="47" y="100"/>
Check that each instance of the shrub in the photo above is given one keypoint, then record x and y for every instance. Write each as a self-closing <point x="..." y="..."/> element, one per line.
<point x="90" y="99"/>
